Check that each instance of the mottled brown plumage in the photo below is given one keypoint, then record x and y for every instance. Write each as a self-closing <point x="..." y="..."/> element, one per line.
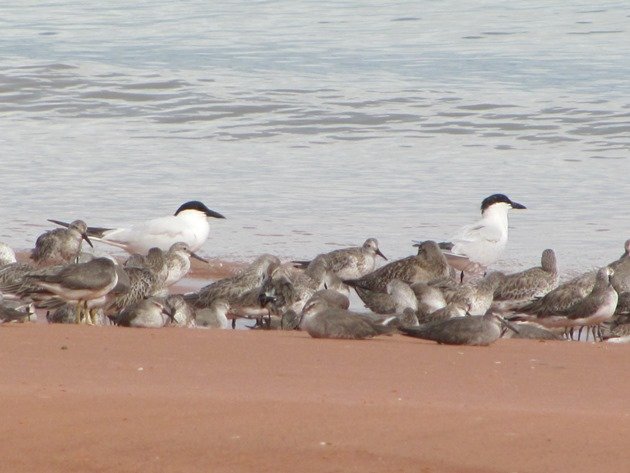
<point x="427" y="265"/>
<point x="61" y="245"/>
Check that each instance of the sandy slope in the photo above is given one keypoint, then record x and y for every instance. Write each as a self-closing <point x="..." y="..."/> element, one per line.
<point x="113" y="399"/>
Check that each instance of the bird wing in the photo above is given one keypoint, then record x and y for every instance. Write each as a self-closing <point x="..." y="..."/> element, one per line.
<point x="79" y="276"/>
<point x="152" y="232"/>
<point x="478" y="232"/>
<point x="348" y="325"/>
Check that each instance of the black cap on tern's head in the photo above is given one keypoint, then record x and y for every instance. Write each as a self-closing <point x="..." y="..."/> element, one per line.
<point x="200" y="207"/>
<point x="498" y="199"/>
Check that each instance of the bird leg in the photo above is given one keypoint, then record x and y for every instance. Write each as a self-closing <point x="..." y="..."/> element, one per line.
<point x="77" y="312"/>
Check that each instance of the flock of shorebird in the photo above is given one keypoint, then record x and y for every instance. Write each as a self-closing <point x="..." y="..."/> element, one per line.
<point x="443" y="293"/>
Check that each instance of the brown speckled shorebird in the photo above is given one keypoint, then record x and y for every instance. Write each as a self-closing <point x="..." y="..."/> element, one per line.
<point x="7" y="255"/>
<point x="178" y="262"/>
<point x="518" y="289"/>
<point x="427" y="265"/>
<point x="477" y="296"/>
<point x="350" y="263"/>
<point x="621" y="267"/>
<point x="562" y="297"/>
<point x="591" y="311"/>
<point x="61" y="245"/>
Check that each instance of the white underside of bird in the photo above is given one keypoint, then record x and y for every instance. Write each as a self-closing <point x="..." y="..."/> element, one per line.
<point x="483" y="242"/>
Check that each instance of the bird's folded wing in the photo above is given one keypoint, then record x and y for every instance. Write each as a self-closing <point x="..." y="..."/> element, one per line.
<point x="489" y="233"/>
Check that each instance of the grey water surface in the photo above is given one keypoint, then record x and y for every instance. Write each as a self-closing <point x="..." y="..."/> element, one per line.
<point x="317" y="124"/>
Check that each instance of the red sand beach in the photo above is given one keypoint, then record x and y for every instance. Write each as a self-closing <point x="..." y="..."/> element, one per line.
<point x="101" y="399"/>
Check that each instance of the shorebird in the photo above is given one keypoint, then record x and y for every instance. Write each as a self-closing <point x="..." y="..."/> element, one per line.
<point x="7" y="255"/>
<point x="591" y="311"/>
<point x="147" y="313"/>
<point x="15" y="311"/>
<point x="178" y="262"/>
<point x="518" y="289"/>
<point x="287" y="289"/>
<point x="623" y="304"/>
<point x="427" y="265"/>
<point x="213" y="315"/>
<point x="241" y="290"/>
<point x="61" y="245"/>
<point x="621" y="267"/>
<point x="469" y="330"/>
<point x="182" y="314"/>
<point x="189" y="224"/>
<point x="563" y="296"/>
<point x="533" y="331"/>
<point x="619" y="330"/>
<point x="477" y="296"/>
<point x="350" y="263"/>
<point x="449" y="311"/>
<point x="429" y="298"/>
<point x="480" y="244"/>
<point x="320" y="320"/>
<point x="143" y="283"/>
<point x="289" y="321"/>
<point x="331" y="299"/>
<point x="81" y="282"/>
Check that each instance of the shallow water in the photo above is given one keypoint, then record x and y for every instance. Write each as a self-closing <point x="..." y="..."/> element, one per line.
<point x="313" y="125"/>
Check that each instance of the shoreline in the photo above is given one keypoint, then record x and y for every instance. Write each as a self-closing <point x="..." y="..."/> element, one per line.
<point x="116" y="399"/>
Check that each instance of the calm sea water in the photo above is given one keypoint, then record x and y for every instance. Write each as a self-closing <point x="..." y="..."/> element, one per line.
<point x="314" y="124"/>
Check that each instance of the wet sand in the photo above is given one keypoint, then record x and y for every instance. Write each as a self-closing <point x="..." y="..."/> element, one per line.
<point x="112" y="399"/>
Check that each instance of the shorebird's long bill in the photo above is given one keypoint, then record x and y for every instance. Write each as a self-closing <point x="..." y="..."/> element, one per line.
<point x="516" y="205"/>
<point x="212" y="213"/>
<point x="196" y="256"/>
<point x="507" y="324"/>
<point x="87" y="238"/>
<point x="378" y="252"/>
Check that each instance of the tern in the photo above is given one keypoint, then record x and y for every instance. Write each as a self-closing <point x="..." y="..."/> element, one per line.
<point x="189" y="224"/>
<point x="482" y="243"/>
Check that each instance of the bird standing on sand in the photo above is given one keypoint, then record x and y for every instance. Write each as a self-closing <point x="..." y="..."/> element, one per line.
<point x="591" y="311"/>
<point x="189" y="224"/>
<point x="81" y="282"/>
<point x="518" y="289"/>
<point x="481" y="244"/>
<point x="61" y="245"/>
<point x="350" y="263"/>
<point x="427" y="265"/>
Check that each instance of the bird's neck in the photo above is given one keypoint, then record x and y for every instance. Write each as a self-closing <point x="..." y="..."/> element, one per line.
<point x="496" y="216"/>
